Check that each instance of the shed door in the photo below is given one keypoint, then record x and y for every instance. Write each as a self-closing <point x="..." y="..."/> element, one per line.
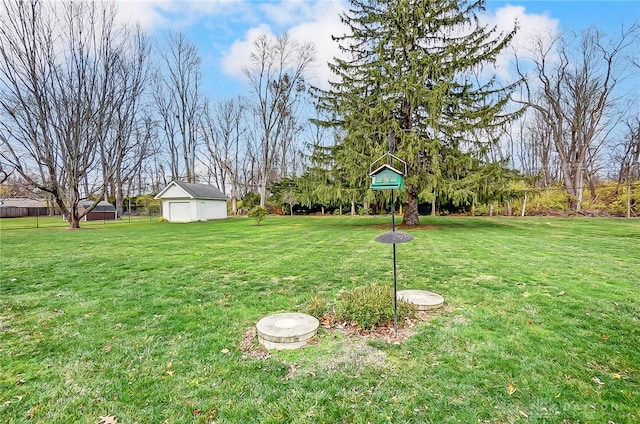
<point x="202" y="207"/>
<point x="179" y="212"/>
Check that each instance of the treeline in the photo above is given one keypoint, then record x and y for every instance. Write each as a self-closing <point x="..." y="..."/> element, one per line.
<point x="90" y="108"/>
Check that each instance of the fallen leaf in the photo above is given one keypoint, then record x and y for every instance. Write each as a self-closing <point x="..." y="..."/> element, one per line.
<point x="170" y="364"/>
<point x="617" y="376"/>
<point x="598" y="381"/>
<point x="170" y="372"/>
<point x="529" y="322"/>
<point x="311" y="374"/>
<point x="605" y="337"/>
<point x="197" y="412"/>
<point x="108" y="419"/>
<point x="524" y="414"/>
<point x="525" y="294"/>
<point x="511" y="389"/>
<point x="225" y="350"/>
<point x="31" y="413"/>
<point x="107" y="348"/>
<point x="562" y="293"/>
<point x="20" y="382"/>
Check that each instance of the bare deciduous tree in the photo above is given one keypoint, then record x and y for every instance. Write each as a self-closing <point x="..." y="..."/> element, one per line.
<point x="276" y="76"/>
<point x="179" y="102"/>
<point x="573" y="92"/>
<point x="629" y="158"/>
<point x="59" y="95"/>
<point x="225" y="137"/>
<point x="126" y="142"/>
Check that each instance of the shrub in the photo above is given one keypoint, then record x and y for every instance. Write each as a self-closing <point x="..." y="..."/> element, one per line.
<point x="317" y="306"/>
<point x="250" y="200"/>
<point x="274" y="209"/>
<point x="371" y="306"/>
<point x="258" y="214"/>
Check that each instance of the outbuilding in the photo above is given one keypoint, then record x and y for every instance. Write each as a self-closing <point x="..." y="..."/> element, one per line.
<point x="102" y="212"/>
<point x="21" y="206"/>
<point x="189" y="202"/>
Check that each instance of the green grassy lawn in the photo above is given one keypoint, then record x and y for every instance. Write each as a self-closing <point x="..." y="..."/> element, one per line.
<point x="142" y="321"/>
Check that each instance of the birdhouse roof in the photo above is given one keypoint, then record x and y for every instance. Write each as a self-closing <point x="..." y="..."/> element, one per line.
<point x="384" y="167"/>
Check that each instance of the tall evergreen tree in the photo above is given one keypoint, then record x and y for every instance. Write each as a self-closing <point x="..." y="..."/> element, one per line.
<point x="410" y="67"/>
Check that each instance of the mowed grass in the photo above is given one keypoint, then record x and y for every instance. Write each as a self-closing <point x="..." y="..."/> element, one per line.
<point x="142" y="322"/>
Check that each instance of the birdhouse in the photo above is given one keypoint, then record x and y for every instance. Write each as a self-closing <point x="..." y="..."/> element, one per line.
<point x="387" y="177"/>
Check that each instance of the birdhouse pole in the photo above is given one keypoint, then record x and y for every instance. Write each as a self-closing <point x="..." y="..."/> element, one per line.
<point x="393" y="229"/>
<point x="384" y="178"/>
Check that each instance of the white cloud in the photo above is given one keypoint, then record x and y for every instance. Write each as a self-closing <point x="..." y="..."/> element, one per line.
<point x="532" y="28"/>
<point x="143" y="12"/>
<point x="304" y="21"/>
<point x="319" y="31"/>
<point x="174" y="14"/>
<point x="238" y="55"/>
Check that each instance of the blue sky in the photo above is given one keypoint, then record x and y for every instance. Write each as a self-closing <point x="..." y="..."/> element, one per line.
<point x="224" y="29"/>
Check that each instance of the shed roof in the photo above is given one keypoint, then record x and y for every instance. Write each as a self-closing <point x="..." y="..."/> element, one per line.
<point x="102" y="206"/>
<point x="22" y="202"/>
<point x="195" y="191"/>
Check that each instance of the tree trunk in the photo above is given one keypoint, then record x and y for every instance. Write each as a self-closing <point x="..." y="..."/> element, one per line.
<point x="628" y="196"/>
<point x="72" y="215"/>
<point x="524" y="206"/>
<point x="410" y="216"/>
<point x="119" y="195"/>
<point x="234" y="197"/>
<point x="263" y="192"/>
<point x="353" y="207"/>
<point x="74" y="222"/>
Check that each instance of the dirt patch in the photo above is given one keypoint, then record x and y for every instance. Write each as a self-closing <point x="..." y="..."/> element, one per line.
<point x="354" y="353"/>
<point x="406" y="227"/>
<point x="384" y="333"/>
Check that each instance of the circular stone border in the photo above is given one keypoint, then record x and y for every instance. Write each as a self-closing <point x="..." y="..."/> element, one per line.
<point x="422" y="299"/>
<point x="288" y="330"/>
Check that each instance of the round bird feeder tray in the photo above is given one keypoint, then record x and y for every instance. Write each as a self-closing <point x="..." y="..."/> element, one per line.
<point x="394" y="237"/>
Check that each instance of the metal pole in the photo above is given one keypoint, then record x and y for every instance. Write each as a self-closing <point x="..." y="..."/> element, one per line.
<point x="395" y="296"/>
<point x="393" y="228"/>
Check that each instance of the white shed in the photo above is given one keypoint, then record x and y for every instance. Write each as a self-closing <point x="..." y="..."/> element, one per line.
<point x="189" y="202"/>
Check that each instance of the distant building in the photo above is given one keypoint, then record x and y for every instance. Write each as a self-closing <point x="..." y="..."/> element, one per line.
<point x="189" y="202"/>
<point x="17" y="207"/>
<point x="102" y="211"/>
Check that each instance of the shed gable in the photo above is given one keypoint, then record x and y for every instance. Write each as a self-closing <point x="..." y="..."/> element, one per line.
<point x="174" y="191"/>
